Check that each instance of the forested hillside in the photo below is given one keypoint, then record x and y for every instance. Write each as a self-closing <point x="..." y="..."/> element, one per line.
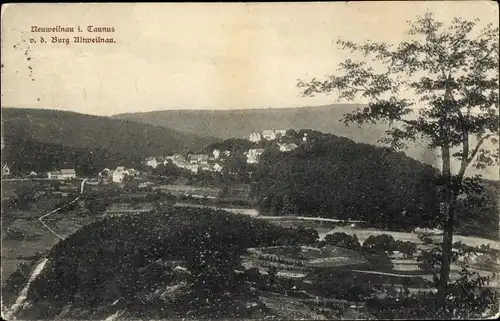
<point x="26" y="155"/>
<point x="74" y="130"/>
<point x="335" y="177"/>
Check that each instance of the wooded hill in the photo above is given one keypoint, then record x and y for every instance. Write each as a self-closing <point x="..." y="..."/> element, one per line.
<point x="335" y="177"/>
<point x="51" y="136"/>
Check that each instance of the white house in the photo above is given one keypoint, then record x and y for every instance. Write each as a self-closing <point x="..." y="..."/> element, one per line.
<point x="272" y="134"/>
<point x="152" y="162"/>
<point x="193" y="168"/>
<point x="216" y="167"/>
<point x="253" y="155"/>
<point x="198" y="159"/>
<point x="104" y="174"/>
<point x="304" y="139"/>
<point x="5" y="170"/>
<point x="205" y="167"/>
<point x="216" y="153"/>
<point x="255" y="137"/>
<point x="119" y="174"/>
<point x="175" y="157"/>
<point x="62" y="174"/>
<point x="287" y="147"/>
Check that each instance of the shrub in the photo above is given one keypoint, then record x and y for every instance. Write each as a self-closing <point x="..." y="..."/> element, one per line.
<point x="407" y="248"/>
<point x="425" y="238"/>
<point x="467" y="298"/>
<point x="343" y="240"/>
<point x="383" y="242"/>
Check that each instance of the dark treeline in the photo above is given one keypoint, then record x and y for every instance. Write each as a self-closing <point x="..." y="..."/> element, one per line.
<point x="332" y="176"/>
<point x="24" y="156"/>
<point x="87" y="131"/>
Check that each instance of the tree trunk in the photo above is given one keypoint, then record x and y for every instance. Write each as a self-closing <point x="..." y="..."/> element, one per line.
<point x="449" y="215"/>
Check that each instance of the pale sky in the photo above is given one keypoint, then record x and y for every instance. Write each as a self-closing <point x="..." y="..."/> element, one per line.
<point x="194" y="56"/>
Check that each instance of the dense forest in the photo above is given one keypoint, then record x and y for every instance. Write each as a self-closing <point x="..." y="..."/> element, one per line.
<point x="26" y="155"/>
<point x="74" y="130"/>
<point x="333" y="176"/>
<point x="121" y="259"/>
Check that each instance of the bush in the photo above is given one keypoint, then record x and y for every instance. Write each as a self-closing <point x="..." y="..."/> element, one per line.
<point x="383" y="242"/>
<point x="425" y="238"/>
<point x="407" y="248"/>
<point x="343" y="240"/>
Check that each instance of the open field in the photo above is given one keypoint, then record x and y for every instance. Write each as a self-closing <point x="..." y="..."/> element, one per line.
<point x="23" y="236"/>
<point x="233" y="209"/>
<point x="21" y="240"/>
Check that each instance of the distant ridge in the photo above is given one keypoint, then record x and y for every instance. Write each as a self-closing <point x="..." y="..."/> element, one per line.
<point x="239" y="123"/>
<point x="87" y="131"/>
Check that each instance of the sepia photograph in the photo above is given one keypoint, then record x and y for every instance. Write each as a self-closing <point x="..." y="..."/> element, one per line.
<point x="250" y="161"/>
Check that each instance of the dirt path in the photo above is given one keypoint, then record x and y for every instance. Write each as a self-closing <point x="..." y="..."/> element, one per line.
<point x="10" y="313"/>
<point x="58" y="209"/>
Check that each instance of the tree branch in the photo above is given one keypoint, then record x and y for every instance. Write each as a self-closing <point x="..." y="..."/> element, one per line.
<point x="472" y="155"/>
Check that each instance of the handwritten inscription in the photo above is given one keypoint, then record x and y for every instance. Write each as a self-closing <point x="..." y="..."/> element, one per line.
<point x="81" y="34"/>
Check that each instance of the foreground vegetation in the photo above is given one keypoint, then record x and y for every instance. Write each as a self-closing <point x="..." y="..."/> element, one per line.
<point x="117" y="259"/>
<point x="200" y="263"/>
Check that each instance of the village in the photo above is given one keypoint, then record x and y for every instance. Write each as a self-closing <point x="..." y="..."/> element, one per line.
<point x="194" y="163"/>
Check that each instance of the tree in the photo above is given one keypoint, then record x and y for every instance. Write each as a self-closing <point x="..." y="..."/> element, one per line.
<point x="452" y="73"/>
<point x="383" y="242"/>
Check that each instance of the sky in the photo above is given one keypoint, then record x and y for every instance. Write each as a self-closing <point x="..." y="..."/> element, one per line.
<point x="194" y="56"/>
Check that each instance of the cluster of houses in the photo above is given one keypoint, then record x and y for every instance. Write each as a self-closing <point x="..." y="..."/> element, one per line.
<point x="193" y="162"/>
<point x="62" y="174"/>
<point x="253" y="155"/>
<point x="117" y="175"/>
<point x="267" y="134"/>
<point x="270" y="134"/>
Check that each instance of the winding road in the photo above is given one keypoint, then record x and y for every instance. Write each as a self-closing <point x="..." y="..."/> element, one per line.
<point x="9" y="314"/>
<point x="58" y="209"/>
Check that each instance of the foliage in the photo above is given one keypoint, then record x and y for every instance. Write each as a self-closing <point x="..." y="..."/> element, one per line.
<point x="26" y="155"/>
<point x="43" y="140"/>
<point x="452" y="74"/>
<point x="407" y="248"/>
<point x="330" y="175"/>
<point x="464" y="301"/>
<point x="97" y="205"/>
<point x="118" y="258"/>
<point x="299" y="236"/>
<point x="382" y="242"/>
<point x="343" y="240"/>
